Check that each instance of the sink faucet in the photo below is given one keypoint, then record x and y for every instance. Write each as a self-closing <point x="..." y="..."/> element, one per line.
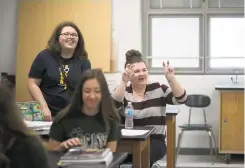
<point x="236" y="81"/>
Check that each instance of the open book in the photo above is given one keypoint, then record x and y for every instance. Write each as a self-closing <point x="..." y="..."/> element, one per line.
<point x="75" y="158"/>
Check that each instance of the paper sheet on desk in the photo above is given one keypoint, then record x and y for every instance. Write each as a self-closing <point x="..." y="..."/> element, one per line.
<point x="38" y="124"/>
<point x="132" y="132"/>
<point x="172" y="108"/>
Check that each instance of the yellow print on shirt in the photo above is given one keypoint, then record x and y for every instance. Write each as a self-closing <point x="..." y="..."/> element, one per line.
<point x="66" y="70"/>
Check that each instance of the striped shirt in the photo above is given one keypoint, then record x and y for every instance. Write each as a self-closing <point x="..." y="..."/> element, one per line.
<point x="151" y="111"/>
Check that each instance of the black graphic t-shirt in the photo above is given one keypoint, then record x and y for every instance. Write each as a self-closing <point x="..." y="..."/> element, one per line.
<point x="89" y="129"/>
<point x="54" y="89"/>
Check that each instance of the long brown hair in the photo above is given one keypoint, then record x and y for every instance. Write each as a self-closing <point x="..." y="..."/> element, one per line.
<point x="12" y="125"/>
<point x="107" y="107"/>
<point x="54" y="45"/>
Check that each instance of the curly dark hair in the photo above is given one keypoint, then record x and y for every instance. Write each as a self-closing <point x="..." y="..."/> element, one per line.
<point x="54" y="45"/>
<point x="133" y="56"/>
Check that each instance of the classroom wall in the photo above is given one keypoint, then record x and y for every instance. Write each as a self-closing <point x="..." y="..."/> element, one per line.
<point x="126" y="29"/>
<point x="8" y="17"/>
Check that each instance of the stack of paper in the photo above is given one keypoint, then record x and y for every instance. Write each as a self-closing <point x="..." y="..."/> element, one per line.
<point x="86" y="159"/>
<point x="36" y="125"/>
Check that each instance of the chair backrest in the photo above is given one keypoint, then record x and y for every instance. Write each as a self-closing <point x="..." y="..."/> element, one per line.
<point x="198" y="101"/>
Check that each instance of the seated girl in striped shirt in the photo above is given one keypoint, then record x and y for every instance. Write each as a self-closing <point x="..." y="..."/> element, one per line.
<point x="148" y="99"/>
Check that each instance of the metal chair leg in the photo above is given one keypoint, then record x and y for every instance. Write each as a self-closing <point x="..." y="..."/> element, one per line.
<point x="178" y="144"/>
<point x="211" y="145"/>
<point x="214" y="146"/>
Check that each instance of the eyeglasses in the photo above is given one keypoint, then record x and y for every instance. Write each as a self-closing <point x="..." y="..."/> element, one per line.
<point x="66" y="35"/>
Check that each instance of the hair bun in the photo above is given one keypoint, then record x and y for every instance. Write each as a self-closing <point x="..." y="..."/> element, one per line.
<point x="130" y="54"/>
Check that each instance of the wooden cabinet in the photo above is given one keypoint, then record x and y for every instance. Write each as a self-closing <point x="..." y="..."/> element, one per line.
<point x="231" y="133"/>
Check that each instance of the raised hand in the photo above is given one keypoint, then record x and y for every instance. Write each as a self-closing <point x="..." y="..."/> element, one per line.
<point x="127" y="73"/>
<point x="168" y="71"/>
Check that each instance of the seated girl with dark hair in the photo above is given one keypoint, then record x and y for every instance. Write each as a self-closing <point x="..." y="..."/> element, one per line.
<point x="90" y="120"/>
<point x="19" y="146"/>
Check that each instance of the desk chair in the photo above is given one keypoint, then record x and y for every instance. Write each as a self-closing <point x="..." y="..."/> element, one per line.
<point x="199" y="102"/>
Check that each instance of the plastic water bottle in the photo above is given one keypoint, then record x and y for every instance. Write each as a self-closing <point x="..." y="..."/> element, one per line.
<point x="129" y="116"/>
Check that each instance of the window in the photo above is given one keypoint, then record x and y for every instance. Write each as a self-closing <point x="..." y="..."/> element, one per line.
<point x="225" y="3"/>
<point x="168" y="4"/>
<point x="196" y="36"/>
<point x="226" y="39"/>
<point x="172" y="43"/>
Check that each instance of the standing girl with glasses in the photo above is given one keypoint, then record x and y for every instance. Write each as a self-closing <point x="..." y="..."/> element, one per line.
<point x="55" y="70"/>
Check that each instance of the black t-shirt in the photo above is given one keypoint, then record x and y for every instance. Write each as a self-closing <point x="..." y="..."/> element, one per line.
<point x="89" y="129"/>
<point x="28" y="153"/>
<point x="47" y="68"/>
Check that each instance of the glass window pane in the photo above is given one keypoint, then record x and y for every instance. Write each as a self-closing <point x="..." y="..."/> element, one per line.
<point x="182" y="3"/>
<point x="226" y="3"/>
<point x="175" y="37"/>
<point x="227" y="40"/>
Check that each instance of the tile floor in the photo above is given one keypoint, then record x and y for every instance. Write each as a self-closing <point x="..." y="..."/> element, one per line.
<point x="203" y="161"/>
<point x="200" y="161"/>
